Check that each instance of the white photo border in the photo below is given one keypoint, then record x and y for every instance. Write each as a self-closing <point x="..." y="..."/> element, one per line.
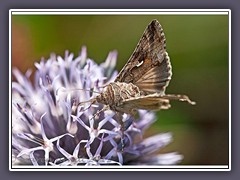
<point x="119" y="12"/>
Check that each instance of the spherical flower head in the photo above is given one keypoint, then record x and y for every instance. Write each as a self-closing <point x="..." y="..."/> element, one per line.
<point x="53" y="122"/>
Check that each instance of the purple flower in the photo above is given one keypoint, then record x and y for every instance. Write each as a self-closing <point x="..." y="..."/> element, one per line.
<point x="50" y="127"/>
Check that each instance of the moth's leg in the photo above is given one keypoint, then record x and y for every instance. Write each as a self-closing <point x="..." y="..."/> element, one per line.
<point x="106" y="107"/>
<point x="119" y="117"/>
<point x="133" y="112"/>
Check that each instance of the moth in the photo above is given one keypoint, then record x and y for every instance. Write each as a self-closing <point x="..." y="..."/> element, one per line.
<point x="142" y="82"/>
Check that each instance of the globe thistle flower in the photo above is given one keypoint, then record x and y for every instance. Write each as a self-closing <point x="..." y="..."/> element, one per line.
<point x="51" y="126"/>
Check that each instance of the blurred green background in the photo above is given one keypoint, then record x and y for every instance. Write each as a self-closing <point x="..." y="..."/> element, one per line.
<point x="197" y="46"/>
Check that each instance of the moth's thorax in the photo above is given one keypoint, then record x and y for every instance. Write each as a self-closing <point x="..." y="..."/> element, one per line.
<point x="116" y="92"/>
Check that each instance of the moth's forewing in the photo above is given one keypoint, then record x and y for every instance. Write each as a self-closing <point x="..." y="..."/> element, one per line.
<point x="157" y="78"/>
<point x="149" y="66"/>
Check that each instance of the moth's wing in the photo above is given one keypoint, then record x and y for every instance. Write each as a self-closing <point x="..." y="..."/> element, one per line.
<point x="157" y="78"/>
<point x="149" y="66"/>
<point x="148" y="102"/>
<point x="153" y="101"/>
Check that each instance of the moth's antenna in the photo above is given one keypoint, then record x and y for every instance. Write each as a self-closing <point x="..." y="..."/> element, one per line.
<point x="84" y="90"/>
<point x="83" y="102"/>
<point x="91" y="100"/>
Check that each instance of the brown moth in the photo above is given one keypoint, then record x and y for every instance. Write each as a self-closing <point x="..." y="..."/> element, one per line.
<point x="142" y="81"/>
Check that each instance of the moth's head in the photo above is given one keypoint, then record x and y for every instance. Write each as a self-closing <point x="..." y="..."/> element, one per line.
<point x="100" y="99"/>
